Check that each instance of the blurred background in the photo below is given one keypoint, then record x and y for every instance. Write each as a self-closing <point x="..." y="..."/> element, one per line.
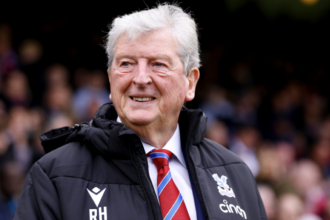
<point x="264" y="86"/>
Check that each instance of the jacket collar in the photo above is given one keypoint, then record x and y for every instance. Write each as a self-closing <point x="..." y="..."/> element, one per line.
<point x="105" y="135"/>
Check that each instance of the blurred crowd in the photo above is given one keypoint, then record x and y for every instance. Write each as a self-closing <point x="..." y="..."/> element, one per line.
<point x="273" y="112"/>
<point x="270" y="110"/>
<point x="33" y="100"/>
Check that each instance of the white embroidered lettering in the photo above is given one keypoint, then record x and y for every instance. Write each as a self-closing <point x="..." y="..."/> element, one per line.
<point x="231" y="207"/>
<point x="104" y="213"/>
<point x="92" y="214"/>
<point x="240" y="211"/>
<point x="221" y="205"/>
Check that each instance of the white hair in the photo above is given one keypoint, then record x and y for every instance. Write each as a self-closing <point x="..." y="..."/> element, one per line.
<point x="170" y="17"/>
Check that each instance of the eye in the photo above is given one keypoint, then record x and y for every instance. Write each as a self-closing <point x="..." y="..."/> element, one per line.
<point x="125" y="64"/>
<point x="159" y="64"/>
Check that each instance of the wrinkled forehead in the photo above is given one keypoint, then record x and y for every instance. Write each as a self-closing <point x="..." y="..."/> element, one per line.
<point x="160" y="35"/>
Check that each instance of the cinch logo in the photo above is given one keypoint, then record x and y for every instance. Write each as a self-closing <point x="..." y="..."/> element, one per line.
<point x="228" y="208"/>
<point x="223" y="187"/>
<point x="96" y="196"/>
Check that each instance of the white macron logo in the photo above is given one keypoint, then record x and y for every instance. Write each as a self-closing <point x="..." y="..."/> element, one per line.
<point x="96" y="195"/>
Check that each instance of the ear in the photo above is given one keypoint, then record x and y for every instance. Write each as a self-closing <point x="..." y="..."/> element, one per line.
<point x="110" y="84"/>
<point x="108" y="74"/>
<point x="192" y="80"/>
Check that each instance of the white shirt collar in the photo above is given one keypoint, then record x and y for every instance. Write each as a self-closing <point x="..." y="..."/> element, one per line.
<point x="173" y="145"/>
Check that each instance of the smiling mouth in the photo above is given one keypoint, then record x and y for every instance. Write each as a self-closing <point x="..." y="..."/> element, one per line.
<point x="142" y="99"/>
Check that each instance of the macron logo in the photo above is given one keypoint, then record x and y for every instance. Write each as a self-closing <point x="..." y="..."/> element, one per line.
<point x="96" y="195"/>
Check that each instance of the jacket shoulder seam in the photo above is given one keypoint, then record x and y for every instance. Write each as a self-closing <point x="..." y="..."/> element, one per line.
<point x="37" y="163"/>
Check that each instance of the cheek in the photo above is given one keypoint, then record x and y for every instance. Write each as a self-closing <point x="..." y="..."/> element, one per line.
<point x="119" y="85"/>
<point x="172" y="91"/>
<point x="177" y="93"/>
<point x="119" y="82"/>
<point x="181" y="90"/>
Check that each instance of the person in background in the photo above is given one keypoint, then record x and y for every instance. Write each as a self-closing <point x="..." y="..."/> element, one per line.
<point x="90" y="96"/>
<point x="11" y="179"/>
<point x="245" y="145"/>
<point x="8" y="58"/>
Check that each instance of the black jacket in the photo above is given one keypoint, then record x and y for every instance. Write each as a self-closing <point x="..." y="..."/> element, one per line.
<point x="99" y="170"/>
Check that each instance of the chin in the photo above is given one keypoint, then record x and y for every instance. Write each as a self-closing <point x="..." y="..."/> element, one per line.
<point x="139" y="120"/>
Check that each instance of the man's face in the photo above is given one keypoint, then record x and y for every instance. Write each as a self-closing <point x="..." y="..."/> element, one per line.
<point x="147" y="80"/>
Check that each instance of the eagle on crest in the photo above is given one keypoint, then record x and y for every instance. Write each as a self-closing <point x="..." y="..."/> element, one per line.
<point x="223" y="187"/>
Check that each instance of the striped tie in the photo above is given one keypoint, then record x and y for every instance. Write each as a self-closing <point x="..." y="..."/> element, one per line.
<point x="170" y="199"/>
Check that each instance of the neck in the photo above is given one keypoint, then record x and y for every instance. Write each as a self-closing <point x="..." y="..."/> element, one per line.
<point x="156" y="136"/>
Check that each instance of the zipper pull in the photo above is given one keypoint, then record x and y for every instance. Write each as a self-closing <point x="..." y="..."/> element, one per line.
<point x="76" y="127"/>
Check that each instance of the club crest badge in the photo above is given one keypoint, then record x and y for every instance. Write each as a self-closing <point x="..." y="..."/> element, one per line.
<point x="223" y="187"/>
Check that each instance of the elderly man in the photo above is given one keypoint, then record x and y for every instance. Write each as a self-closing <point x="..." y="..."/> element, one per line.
<point x="143" y="156"/>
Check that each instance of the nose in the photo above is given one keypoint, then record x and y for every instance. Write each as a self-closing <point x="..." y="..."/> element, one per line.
<point x="142" y="74"/>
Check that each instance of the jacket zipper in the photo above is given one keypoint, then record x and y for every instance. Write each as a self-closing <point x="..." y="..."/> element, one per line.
<point x="195" y="179"/>
<point x="140" y="178"/>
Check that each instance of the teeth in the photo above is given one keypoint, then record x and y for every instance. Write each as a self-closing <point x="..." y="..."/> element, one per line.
<point x="142" y="99"/>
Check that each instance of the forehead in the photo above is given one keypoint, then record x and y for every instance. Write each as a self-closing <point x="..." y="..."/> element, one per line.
<point x="150" y="44"/>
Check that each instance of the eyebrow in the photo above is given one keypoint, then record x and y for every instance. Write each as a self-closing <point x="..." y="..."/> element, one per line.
<point x="124" y="55"/>
<point x="152" y="57"/>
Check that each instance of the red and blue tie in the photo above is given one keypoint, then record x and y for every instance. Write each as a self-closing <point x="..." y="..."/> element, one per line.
<point x="170" y="199"/>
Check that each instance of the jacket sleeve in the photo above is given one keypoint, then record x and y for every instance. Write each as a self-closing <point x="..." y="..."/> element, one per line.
<point x="39" y="199"/>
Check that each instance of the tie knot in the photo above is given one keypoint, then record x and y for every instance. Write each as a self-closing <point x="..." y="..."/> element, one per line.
<point x="160" y="157"/>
